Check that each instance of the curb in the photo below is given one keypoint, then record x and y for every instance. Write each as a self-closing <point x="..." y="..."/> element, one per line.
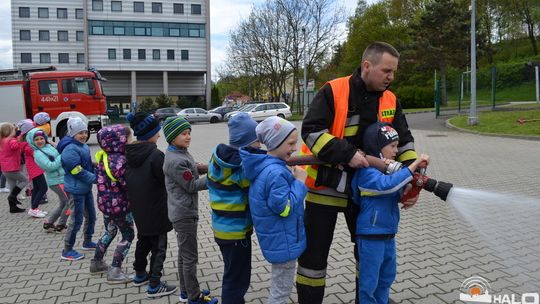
<point x="451" y="126"/>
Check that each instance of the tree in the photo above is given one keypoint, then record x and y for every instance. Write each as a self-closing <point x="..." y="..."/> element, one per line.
<point x="216" y="101"/>
<point x="441" y="38"/>
<point x="147" y="105"/>
<point x="163" y="101"/>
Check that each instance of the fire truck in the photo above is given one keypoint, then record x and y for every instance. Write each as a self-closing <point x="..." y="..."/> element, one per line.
<point x="62" y="94"/>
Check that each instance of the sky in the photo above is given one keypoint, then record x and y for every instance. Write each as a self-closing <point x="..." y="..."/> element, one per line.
<point x="225" y="15"/>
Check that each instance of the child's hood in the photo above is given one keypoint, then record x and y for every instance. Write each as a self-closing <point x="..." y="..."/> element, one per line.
<point x="254" y="161"/>
<point x="30" y="138"/>
<point x="113" y="139"/>
<point x="64" y="142"/>
<point x="227" y="156"/>
<point x="138" y="152"/>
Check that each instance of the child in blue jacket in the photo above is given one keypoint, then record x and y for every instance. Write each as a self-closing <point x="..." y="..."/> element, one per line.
<point x="276" y="202"/>
<point x="377" y="223"/>
<point x="78" y="180"/>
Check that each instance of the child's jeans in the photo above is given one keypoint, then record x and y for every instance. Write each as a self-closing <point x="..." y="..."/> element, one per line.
<point x="112" y="225"/>
<point x="236" y="272"/>
<point x="2" y="180"/>
<point x="157" y="244"/>
<point x="63" y="206"/>
<point x="186" y="235"/>
<point x="282" y="282"/>
<point x="376" y="270"/>
<point x="39" y="189"/>
<point x="83" y="206"/>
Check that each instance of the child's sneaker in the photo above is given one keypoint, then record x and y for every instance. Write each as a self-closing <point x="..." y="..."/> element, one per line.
<point x="48" y="227"/>
<point x="88" y="246"/>
<point x="183" y="297"/>
<point x="71" y="255"/>
<point x="98" y="266"/>
<point x="140" y="279"/>
<point x="60" y="229"/>
<point x="4" y="190"/>
<point x="204" y="300"/>
<point x="36" y="213"/>
<point x="161" y="290"/>
<point x="115" y="275"/>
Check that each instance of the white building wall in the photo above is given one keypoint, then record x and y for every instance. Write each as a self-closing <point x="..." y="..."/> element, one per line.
<point x="185" y="77"/>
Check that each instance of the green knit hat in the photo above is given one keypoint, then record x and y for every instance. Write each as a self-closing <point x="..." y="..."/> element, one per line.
<point x="174" y="126"/>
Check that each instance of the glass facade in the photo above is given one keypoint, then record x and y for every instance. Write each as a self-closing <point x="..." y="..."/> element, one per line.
<point x="157" y="29"/>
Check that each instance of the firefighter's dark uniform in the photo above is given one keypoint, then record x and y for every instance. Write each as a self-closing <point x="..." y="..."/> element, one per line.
<point x="323" y="205"/>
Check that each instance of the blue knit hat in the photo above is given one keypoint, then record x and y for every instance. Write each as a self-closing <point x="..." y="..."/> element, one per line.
<point x="41" y="118"/>
<point x="76" y="125"/>
<point x="144" y="125"/>
<point x="173" y="126"/>
<point x="242" y="130"/>
<point x="377" y="136"/>
<point x="273" y="131"/>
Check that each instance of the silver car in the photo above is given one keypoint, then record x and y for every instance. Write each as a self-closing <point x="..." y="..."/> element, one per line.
<point x="260" y="111"/>
<point x="199" y="115"/>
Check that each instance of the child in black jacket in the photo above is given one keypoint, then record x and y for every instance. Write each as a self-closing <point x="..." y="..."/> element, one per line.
<point x="148" y="196"/>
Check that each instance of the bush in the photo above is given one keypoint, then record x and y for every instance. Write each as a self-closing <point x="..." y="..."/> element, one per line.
<point x="415" y="97"/>
<point x="147" y="105"/>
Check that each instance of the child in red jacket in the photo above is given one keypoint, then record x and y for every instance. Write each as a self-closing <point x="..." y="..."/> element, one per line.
<point x="10" y="162"/>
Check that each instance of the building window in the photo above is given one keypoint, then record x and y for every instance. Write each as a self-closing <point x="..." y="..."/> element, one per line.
<point x="142" y="54"/>
<point x="156" y="7"/>
<point x="97" y="30"/>
<point x="24" y="12"/>
<point x="43" y="12"/>
<point x="80" y="58"/>
<point x="79" y="13"/>
<point x="138" y="7"/>
<point x="26" y="57"/>
<point x="119" y="30"/>
<point x="63" y="57"/>
<point x="97" y="5"/>
<point x="112" y="54"/>
<point x="80" y="36"/>
<point x="61" y="13"/>
<point x="45" y="58"/>
<point x="44" y="36"/>
<point x="184" y="54"/>
<point x="63" y="36"/>
<point x="156" y="54"/>
<point x="156" y="29"/>
<point x="127" y="54"/>
<point x="178" y="8"/>
<point x="24" y="35"/>
<point x="195" y="9"/>
<point x="170" y="54"/>
<point x="116" y="6"/>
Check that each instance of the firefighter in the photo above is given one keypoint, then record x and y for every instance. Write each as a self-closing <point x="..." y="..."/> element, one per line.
<point x="332" y="130"/>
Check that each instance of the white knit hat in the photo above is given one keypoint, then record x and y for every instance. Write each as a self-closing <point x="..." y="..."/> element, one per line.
<point x="76" y="125"/>
<point x="273" y="131"/>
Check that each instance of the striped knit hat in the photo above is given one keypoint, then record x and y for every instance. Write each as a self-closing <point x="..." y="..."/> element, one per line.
<point x="173" y="126"/>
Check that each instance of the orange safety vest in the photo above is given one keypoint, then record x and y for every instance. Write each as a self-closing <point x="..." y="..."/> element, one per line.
<point x="340" y="90"/>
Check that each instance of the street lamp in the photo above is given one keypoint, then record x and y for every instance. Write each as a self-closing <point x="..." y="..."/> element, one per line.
<point x="473" y="119"/>
<point x="304" y="101"/>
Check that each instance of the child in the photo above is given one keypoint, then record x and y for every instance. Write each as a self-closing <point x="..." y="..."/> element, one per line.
<point x="42" y="121"/>
<point x="78" y="180"/>
<point x="276" y="202"/>
<point x="48" y="159"/>
<point x="35" y="173"/>
<point x="183" y="182"/>
<point x="113" y="202"/>
<point x="377" y="223"/>
<point x="148" y="197"/>
<point x="231" y="220"/>
<point x="10" y="162"/>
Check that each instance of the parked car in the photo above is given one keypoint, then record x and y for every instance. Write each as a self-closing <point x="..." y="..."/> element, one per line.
<point x="261" y="111"/>
<point x="162" y="113"/>
<point x="198" y="114"/>
<point x="222" y="110"/>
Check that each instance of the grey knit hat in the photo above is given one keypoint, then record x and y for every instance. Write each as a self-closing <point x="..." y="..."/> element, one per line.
<point x="76" y="125"/>
<point x="273" y="131"/>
